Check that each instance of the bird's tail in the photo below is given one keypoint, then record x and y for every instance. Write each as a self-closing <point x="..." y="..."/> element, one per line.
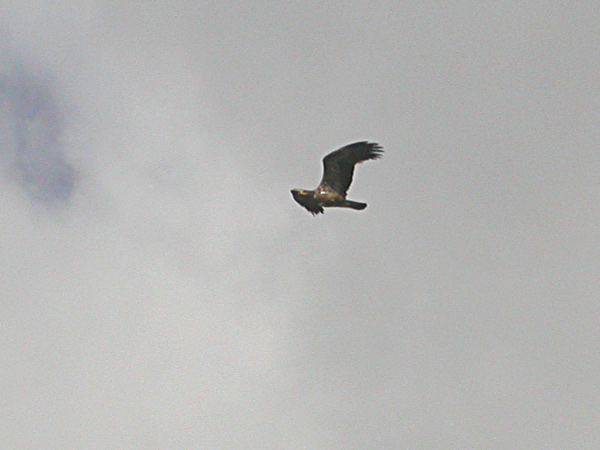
<point x="355" y="205"/>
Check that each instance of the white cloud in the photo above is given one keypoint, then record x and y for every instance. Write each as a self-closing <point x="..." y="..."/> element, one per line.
<point x="180" y="299"/>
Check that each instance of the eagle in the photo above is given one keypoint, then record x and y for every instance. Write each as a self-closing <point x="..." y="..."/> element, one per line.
<point x="338" y="168"/>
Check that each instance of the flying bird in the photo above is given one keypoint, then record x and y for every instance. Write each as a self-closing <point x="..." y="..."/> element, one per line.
<point x="338" y="168"/>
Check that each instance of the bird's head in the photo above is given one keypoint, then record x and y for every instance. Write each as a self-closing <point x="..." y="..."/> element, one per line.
<point x="302" y="196"/>
<point x="307" y="199"/>
<point x="299" y="193"/>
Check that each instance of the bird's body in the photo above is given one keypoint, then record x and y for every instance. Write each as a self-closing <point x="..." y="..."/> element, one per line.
<point x="338" y="170"/>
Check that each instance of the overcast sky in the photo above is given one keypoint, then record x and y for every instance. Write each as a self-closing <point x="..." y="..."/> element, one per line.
<point x="161" y="289"/>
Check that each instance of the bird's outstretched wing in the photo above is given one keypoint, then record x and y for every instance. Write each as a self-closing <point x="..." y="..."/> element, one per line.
<point x="338" y="166"/>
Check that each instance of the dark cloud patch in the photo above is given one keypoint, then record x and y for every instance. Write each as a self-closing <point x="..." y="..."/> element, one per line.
<point x="31" y="147"/>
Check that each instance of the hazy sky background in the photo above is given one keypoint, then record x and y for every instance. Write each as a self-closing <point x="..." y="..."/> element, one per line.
<point x="161" y="289"/>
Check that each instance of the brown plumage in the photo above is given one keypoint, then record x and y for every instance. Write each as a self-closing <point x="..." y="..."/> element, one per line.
<point x="338" y="169"/>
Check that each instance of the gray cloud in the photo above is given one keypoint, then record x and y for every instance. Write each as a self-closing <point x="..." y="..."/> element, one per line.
<point x="32" y="148"/>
